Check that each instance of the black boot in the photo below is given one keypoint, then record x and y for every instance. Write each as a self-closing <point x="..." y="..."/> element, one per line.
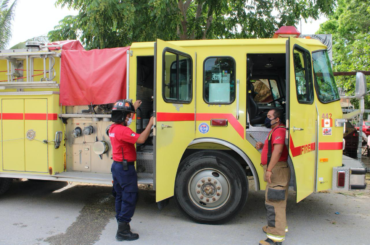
<point x="124" y="233"/>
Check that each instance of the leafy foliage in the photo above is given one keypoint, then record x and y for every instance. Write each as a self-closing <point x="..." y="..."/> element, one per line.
<point x="6" y="17"/>
<point x="117" y="23"/>
<point x="67" y="28"/>
<point x="350" y="27"/>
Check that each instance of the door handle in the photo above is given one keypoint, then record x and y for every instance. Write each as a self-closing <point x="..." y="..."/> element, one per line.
<point x="166" y="126"/>
<point x="297" y="129"/>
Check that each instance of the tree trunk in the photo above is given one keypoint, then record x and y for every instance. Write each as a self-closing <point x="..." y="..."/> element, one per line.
<point x="198" y="14"/>
<point x="209" y="21"/>
<point x="184" y="23"/>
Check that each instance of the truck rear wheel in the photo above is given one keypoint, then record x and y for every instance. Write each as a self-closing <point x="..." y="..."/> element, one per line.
<point x="5" y="185"/>
<point x="211" y="187"/>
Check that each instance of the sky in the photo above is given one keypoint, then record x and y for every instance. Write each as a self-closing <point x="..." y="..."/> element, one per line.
<point x="37" y="17"/>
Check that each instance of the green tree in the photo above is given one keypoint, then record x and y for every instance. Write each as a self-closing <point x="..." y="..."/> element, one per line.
<point x="113" y="23"/>
<point x="6" y="17"/>
<point x="349" y="25"/>
<point x="67" y="29"/>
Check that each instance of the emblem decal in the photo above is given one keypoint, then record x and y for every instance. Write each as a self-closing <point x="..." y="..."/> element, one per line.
<point x="203" y="128"/>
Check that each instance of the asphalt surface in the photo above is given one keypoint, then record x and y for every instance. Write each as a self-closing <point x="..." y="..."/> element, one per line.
<point x="40" y="212"/>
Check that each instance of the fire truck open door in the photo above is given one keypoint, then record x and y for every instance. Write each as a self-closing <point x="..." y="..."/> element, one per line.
<point x="174" y="110"/>
<point x="301" y="117"/>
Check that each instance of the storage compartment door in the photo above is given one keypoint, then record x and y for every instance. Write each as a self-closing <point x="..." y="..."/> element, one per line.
<point x="36" y="128"/>
<point x="12" y="128"/>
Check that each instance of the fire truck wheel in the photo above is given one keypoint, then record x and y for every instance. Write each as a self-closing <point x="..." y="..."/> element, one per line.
<point x="211" y="187"/>
<point x="5" y="185"/>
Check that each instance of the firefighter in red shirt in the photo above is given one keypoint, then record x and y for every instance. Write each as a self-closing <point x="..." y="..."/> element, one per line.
<point x="123" y="141"/>
<point x="274" y="158"/>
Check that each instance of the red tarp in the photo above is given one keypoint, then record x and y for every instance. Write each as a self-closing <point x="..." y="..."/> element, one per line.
<point x="93" y="77"/>
<point x="67" y="45"/>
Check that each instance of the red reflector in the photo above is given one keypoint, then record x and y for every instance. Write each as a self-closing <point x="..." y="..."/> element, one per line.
<point x="354" y="134"/>
<point x="219" y="122"/>
<point x="341" y="178"/>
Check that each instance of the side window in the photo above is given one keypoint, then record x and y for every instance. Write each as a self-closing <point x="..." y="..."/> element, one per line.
<point x="177" y="77"/>
<point x="266" y="92"/>
<point x="274" y="89"/>
<point x="219" y="80"/>
<point x="303" y="76"/>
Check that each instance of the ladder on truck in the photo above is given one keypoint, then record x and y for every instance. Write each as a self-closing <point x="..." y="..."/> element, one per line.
<point x="20" y="71"/>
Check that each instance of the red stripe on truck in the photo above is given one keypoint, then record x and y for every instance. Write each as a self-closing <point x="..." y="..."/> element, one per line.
<point x="176" y="117"/>
<point x="29" y="116"/>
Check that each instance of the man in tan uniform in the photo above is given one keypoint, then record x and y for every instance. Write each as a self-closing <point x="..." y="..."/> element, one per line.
<point x="277" y="175"/>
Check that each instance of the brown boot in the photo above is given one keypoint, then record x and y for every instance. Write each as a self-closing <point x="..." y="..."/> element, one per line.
<point x="268" y="241"/>
<point x="264" y="229"/>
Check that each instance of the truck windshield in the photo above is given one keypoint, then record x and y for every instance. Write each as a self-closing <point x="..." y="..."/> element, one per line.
<point x="324" y="80"/>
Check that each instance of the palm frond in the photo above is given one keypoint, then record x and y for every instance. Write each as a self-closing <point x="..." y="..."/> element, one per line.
<point x="4" y="5"/>
<point x="6" y="17"/>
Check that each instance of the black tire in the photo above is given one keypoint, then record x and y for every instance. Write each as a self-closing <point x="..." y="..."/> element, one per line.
<point x="5" y="185"/>
<point x="353" y="154"/>
<point x="219" y="175"/>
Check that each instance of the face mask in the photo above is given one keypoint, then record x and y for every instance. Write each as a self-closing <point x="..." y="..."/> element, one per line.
<point x="268" y="122"/>
<point x="129" y="121"/>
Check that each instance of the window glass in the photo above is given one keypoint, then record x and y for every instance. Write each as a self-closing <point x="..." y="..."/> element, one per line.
<point x="177" y="78"/>
<point x="325" y="84"/>
<point x="303" y="76"/>
<point x="266" y="92"/>
<point x="219" y="80"/>
<point x="367" y="123"/>
<point x="349" y="129"/>
<point x="184" y="78"/>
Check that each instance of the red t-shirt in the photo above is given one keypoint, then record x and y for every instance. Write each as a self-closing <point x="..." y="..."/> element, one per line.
<point x="122" y="137"/>
<point x="278" y="137"/>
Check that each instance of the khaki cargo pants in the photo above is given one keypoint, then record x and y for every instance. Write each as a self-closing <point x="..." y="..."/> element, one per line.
<point x="275" y="200"/>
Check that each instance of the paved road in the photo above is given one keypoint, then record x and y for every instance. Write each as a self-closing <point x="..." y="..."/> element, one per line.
<point x="36" y="212"/>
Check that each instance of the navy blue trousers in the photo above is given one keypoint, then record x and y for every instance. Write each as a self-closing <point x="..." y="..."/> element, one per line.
<point x="125" y="186"/>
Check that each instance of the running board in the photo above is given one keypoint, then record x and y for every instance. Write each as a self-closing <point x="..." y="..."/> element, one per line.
<point x="83" y="177"/>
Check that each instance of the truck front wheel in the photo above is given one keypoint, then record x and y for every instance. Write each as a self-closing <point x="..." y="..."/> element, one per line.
<point x="5" y="184"/>
<point x="211" y="187"/>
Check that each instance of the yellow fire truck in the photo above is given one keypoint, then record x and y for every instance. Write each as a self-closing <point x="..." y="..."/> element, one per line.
<point x="209" y="99"/>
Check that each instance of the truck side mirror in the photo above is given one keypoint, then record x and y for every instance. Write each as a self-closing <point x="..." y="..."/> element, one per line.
<point x="360" y="85"/>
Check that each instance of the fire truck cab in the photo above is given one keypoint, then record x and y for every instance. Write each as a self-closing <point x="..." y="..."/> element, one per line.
<point x="209" y="99"/>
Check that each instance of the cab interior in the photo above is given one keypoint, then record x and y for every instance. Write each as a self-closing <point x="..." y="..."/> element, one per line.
<point x="266" y="90"/>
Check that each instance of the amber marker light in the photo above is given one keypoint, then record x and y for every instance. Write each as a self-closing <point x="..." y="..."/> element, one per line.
<point x="324" y="159"/>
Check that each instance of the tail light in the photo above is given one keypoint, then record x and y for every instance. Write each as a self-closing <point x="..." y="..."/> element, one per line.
<point x="354" y="134"/>
<point x="341" y="178"/>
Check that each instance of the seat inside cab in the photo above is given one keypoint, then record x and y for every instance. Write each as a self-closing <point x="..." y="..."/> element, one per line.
<point x="266" y="83"/>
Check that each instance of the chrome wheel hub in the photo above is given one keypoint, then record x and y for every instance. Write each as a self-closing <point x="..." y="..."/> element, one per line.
<point x="209" y="189"/>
